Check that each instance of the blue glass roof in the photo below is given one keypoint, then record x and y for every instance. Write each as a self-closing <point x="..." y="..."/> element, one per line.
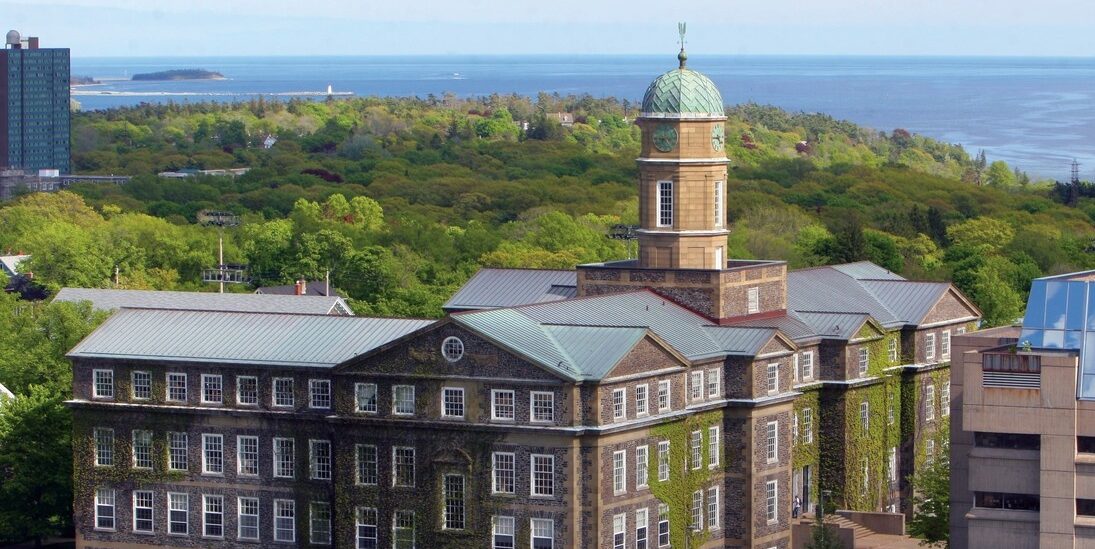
<point x="1061" y="315"/>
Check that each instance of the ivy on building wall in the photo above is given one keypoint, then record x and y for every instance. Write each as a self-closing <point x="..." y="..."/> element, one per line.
<point x="676" y="492"/>
<point x="808" y="453"/>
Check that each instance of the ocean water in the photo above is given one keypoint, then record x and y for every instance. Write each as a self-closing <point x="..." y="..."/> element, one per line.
<point x="1035" y="113"/>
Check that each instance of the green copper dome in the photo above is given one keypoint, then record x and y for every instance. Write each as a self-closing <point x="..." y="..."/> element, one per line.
<point x="682" y="93"/>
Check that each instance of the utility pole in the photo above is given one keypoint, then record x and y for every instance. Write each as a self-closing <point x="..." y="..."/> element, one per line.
<point x="232" y="274"/>
<point x="1075" y="172"/>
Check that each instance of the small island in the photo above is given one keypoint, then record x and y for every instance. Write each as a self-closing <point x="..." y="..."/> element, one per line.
<point x="180" y="74"/>
<point x="82" y="81"/>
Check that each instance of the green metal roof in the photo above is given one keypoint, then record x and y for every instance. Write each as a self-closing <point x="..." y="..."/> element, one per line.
<point x="682" y="93"/>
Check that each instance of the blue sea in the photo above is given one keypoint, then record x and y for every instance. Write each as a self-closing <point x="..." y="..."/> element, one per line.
<point x="1035" y="113"/>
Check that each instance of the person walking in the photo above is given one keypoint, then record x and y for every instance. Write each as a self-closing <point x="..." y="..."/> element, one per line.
<point x="796" y="508"/>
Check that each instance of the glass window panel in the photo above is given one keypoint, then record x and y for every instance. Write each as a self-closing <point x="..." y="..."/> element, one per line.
<point x="1056" y="303"/>
<point x="1053" y="339"/>
<point x="1074" y="339"/>
<point x="1035" y="317"/>
<point x="1034" y="337"/>
<point x="1077" y="294"/>
<point x="1087" y="389"/>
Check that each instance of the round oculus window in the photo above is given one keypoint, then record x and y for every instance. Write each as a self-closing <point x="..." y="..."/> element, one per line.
<point x="452" y="349"/>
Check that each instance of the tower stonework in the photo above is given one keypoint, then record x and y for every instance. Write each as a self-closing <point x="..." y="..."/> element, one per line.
<point x="682" y="210"/>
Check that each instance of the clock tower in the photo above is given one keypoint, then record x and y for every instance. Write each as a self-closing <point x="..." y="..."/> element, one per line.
<point x="682" y="172"/>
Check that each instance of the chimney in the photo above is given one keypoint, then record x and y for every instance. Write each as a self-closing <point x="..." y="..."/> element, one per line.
<point x="300" y="287"/>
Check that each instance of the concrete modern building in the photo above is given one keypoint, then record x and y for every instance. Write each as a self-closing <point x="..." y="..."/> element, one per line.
<point x="682" y="399"/>
<point x="34" y="106"/>
<point x="1023" y="427"/>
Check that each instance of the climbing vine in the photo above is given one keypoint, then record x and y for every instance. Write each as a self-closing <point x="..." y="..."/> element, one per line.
<point x="676" y="492"/>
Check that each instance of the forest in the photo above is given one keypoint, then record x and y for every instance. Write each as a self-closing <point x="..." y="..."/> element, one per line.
<point x="401" y="200"/>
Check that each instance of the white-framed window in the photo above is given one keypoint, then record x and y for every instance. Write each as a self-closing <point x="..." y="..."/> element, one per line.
<point x="212" y="516"/>
<point x="542" y="407"/>
<point x="403" y="466"/>
<point x="104" y="447"/>
<point x="663" y="460"/>
<point x="141" y="385"/>
<point x="212" y="454"/>
<point x="503" y="405"/>
<point x="929" y="402"/>
<point x="403" y="530"/>
<point x="892" y="349"/>
<point x="752" y="300"/>
<point x="960" y="330"/>
<point x="807" y="365"/>
<point x="142" y="449"/>
<point x="719" y="264"/>
<point x="542" y="533"/>
<point x="368" y="466"/>
<point x="929" y="450"/>
<point x="697" y="510"/>
<point x="945" y="344"/>
<point x="503" y="532"/>
<point x="104" y="509"/>
<point x="619" y="404"/>
<point x="319" y="394"/>
<point x="695" y="389"/>
<point x="713" y="508"/>
<point x="247" y="455"/>
<point x="771" y="501"/>
<point x="719" y="201"/>
<point x="773" y="378"/>
<point x="642" y="466"/>
<point x="664" y="402"/>
<point x="284" y="458"/>
<point x="504" y="475"/>
<point x="697" y="449"/>
<point x="892" y="461"/>
<point x="543" y="475"/>
<point x="365" y="397"/>
<point x="665" y="203"/>
<point x="212" y="389"/>
<point x="619" y="472"/>
<point x="319" y="523"/>
<point x="929" y="346"/>
<point x="143" y="514"/>
<point x="247" y="518"/>
<point x="319" y="459"/>
<point x="366" y="518"/>
<point x="642" y="523"/>
<point x="453" y="494"/>
<point x="285" y="520"/>
<point x="795" y="371"/>
<point x="452" y="349"/>
<point x="283" y="392"/>
<point x="247" y="390"/>
<point x="452" y="402"/>
<point x="178" y="514"/>
<point x="808" y="425"/>
<point x="176" y="387"/>
<point x="771" y="441"/>
<point x="663" y="525"/>
<point x="865" y="415"/>
<point x="102" y="384"/>
<point x="713" y="445"/>
<point x="864" y="360"/>
<point x="714" y="388"/>
<point x="619" y="531"/>
<point x="403" y="400"/>
<point x="794" y="429"/>
<point x="178" y="452"/>
<point x="945" y="399"/>
<point x="642" y="400"/>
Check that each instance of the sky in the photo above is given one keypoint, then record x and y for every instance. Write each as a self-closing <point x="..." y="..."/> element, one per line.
<point x="93" y="28"/>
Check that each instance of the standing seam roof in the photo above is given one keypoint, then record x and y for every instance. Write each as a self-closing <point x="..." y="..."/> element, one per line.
<point x="111" y="299"/>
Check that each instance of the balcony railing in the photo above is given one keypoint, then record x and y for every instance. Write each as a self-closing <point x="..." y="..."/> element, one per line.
<point x="1011" y="371"/>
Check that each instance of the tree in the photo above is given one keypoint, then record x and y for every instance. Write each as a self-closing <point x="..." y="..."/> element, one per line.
<point x="931" y="501"/>
<point x="848" y="244"/>
<point x="999" y="175"/>
<point x="823" y="537"/>
<point x="35" y="466"/>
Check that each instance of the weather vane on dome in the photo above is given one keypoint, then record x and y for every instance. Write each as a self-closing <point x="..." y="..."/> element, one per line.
<point x="682" y="57"/>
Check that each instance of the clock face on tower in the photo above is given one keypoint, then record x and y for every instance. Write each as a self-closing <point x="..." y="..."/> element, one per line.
<point x="718" y="136"/>
<point x="665" y="138"/>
